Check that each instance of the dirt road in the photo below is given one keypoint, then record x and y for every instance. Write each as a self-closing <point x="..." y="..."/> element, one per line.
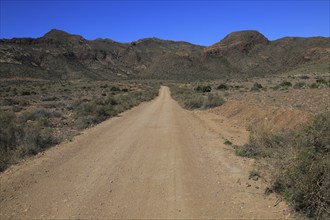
<point x="154" y="161"/>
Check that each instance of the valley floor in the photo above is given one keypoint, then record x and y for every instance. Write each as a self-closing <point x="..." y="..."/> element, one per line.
<point x="156" y="160"/>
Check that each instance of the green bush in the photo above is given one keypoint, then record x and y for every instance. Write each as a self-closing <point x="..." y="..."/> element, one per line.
<point x="246" y="151"/>
<point x="8" y="130"/>
<point x="115" y="89"/>
<point x="223" y="87"/>
<point x="37" y="138"/>
<point x="322" y="83"/>
<point x="213" y="101"/>
<point x="203" y="89"/>
<point x="93" y="112"/>
<point x="306" y="183"/>
<point x="20" y="138"/>
<point x="227" y="142"/>
<point x="285" y="84"/>
<point x="301" y="159"/>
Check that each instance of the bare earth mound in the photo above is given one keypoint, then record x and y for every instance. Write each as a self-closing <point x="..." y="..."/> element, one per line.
<point x="273" y="118"/>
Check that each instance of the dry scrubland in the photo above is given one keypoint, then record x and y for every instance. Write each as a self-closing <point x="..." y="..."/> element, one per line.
<point x="293" y="158"/>
<point x="35" y="115"/>
<point x="288" y="118"/>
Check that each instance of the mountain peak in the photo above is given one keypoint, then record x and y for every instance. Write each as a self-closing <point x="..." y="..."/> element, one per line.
<point x="55" y="33"/>
<point x="240" y="41"/>
<point x="62" y="36"/>
<point x="247" y="36"/>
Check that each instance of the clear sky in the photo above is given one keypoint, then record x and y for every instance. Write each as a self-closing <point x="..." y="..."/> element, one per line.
<point x="198" y="22"/>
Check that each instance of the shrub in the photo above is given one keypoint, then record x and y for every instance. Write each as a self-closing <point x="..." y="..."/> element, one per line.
<point x="19" y="139"/>
<point x="37" y="114"/>
<point x="17" y="108"/>
<point x="253" y="174"/>
<point x="213" y="101"/>
<point x="24" y="102"/>
<point x="256" y="87"/>
<point x="8" y="130"/>
<point x="322" y="83"/>
<point x="203" y="89"/>
<point x="227" y="142"/>
<point x="314" y="86"/>
<point x="115" y="89"/>
<point x="25" y="93"/>
<point x="223" y="87"/>
<point x="304" y="77"/>
<point x="51" y="98"/>
<point x="299" y="85"/>
<point x="37" y="138"/>
<point x="277" y="87"/>
<point x="9" y="101"/>
<point x="285" y="84"/>
<point x="246" y="151"/>
<point x="306" y="183"/>
<point x="194" y="102"/>
<point x="301" y="160"/>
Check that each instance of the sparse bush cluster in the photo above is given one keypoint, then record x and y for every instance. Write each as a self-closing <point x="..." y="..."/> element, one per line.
<point x="319" y="83"/>
<point x="301" y="160"/>
<point x="36" y="115"/>
<point x="224" y="87"/>
<point x="95" y="111"/>
<point x="198" y="98"/>
<point x="25" y="135"/>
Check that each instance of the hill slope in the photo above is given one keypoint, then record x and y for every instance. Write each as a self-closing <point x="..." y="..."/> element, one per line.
<point x="62" y="56"/>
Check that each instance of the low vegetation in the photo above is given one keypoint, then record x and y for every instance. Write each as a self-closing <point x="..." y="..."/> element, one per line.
<point x="199" y="97"/>
<point x="24" y="135"/>
<point x="37" y="115"/>
<point x="253" y="174"/>
<point x="227" y="142"/>
<point x="95" y="111"/>
<point x="300" y="160"/>
<point x="256" y="87"/>
<point x="317" y="84"/>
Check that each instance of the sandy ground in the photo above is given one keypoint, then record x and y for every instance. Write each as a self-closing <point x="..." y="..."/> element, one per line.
<point x="155" y="161"/>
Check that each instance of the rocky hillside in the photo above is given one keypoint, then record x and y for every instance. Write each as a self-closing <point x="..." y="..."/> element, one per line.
<point x="62" y="56"/>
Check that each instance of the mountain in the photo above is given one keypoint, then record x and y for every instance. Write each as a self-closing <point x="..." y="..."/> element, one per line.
<point x="62" y="56"/>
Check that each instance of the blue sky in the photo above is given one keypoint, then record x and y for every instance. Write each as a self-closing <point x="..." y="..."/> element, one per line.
<point x="199" y="22"/>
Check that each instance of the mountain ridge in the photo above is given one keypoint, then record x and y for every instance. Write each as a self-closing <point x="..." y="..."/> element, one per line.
<point x="64" y="56"/>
